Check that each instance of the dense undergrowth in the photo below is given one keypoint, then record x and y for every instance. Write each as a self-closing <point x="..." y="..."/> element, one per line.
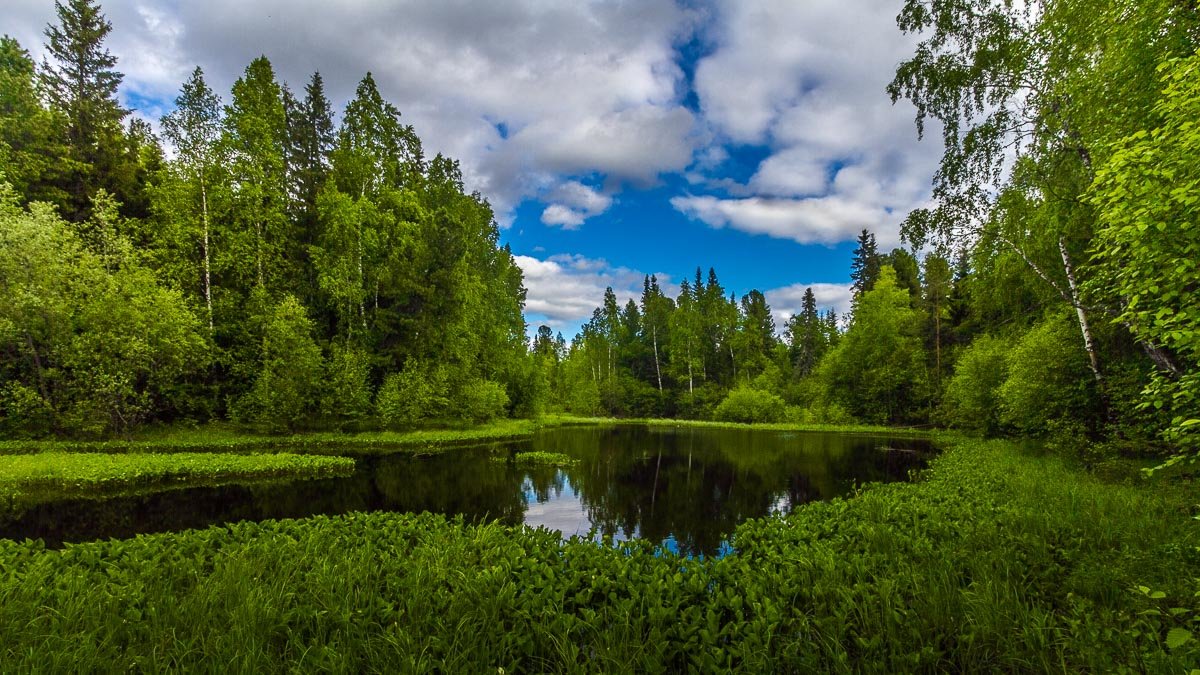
<point x="995" y="561"/>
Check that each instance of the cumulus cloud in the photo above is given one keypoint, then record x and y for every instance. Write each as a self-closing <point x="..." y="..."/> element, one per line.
<point x="807" y="80"/>
<point x="789" y="300"/>
<point x="572" y="203"/>
<point x="563" y="290"/>
<point x="823" y="220"/>
<point x="524" y="93"/>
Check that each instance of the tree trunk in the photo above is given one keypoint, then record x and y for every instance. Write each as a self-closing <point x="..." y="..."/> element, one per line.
<point x="258" y="253"/>
<point x="733" y="362"/>
<point x="937" y="339"/>
<point x="691" y="388"/>
<point x="1089" y="343"/>
<point x="207" y="270"/>
<point x="657" y="370"/>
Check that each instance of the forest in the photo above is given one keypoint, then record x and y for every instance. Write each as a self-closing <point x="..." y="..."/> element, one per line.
<point x="270" y="262"/>
<point x="269" y="400"/>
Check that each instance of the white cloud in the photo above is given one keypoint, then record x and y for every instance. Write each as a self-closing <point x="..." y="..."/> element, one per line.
<point x="807" y="79"/>
<point x="572" y="203"/>
<point x="557" y="214"/>
<point x="824" y="220"/>
<point x="565" y="289"/>
<point x="789" y="300"/>
<point x="580" y="88"/>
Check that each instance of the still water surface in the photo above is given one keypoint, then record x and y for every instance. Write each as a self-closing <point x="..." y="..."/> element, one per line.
<point x="686" y="487"/>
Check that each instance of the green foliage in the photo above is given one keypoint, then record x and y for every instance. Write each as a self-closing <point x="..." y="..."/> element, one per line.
<point x="417" y="392"/>
<point x="59" y="475"/>
<point x="748" y="406"/>
<point x="92" y="333"/>
<point x="482" y="401"/>
<point x="287" y="386"/>
<point x="997" y="561"/>
<point x="828" y="414"/>
<point x="537" y="458"/>
<point x="1148" y="247"/>
<point x="877" y="370"/>
<point x="345" y="391"/>
<point x="700" y="403"/>
<point x="1048" y="379"/>
<point x="972" y="399"/>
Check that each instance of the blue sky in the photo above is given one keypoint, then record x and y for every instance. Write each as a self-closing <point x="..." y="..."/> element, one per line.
<point x="614" y="139"/>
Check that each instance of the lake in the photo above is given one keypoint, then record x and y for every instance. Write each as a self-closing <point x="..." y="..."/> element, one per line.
<point x="684" y="487"/>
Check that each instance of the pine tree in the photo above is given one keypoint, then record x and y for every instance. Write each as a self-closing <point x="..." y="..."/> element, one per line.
<point x="807" y="335"/>
<point x="755" y="337"/>
<point x="864" y="268"/>
<point x="310" y="141"/>
<point x="374" y="149"/>
<point x="81" y="81"/>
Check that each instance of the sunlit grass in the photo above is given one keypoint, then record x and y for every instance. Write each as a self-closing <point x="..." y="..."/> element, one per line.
<point x="67" y="475"/>
<point x="229" y="439"/>
<point x="537" y="458"/>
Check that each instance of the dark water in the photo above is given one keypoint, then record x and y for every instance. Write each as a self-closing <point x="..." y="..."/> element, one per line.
<point x="686" y="487"/>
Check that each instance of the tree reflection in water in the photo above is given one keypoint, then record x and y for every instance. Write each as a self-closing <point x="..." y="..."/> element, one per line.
<point x="685" y="487"/>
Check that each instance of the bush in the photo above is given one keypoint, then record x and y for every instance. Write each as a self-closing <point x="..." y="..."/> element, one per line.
<point x="23" y="412"/>
<point x="822" y="413"/>
<point x="482" y="401"/>
<point x="346" y="393"/>
<point x="700" y="402"/>
<point x="1048" y="379"/>
<point x="750" y="406"/>
<point x="286" y="388"/>
<point x="415" y="393"/>
<point x="972" y="399"/>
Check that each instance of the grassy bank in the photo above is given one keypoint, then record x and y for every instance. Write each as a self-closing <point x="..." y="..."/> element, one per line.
<point x="230" y="439"/>
<point x="225" y="438"/>
<point x="997" y="561"/>
<point x="569" y="420"/>
<point x="786" y="426"/>
<point x="64" y="475"/>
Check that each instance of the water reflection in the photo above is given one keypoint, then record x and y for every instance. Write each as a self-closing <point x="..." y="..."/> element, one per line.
<point x="685" y="487"/>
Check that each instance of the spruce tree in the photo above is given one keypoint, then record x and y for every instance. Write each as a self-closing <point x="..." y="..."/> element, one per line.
<point x="81" y="81"/>
<point x="864" y="268"/>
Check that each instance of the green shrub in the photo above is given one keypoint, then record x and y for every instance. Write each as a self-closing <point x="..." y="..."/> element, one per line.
<point x="700" y="403"/>
<point x="827" y="413"/>
<point x="23" y="411"/>
<point x="345" y="392"/>
<point x="416" y="393"/>
<point x="972" y="399"/>
<point x="482" y="401"/>
<point x="750" y="406"/>
<point x="1048" y="378"/>
<point x="286" y="389"/>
